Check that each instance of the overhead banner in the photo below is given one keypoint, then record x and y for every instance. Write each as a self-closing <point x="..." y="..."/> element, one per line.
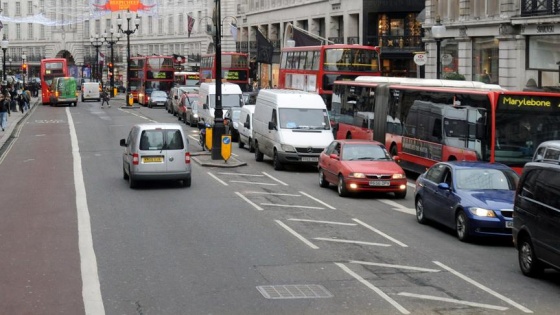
<point x="121" y="5"/>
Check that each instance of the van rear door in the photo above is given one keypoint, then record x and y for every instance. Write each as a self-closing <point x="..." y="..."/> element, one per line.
<point x="176" y="149"/>
<point x="151" y="153"/>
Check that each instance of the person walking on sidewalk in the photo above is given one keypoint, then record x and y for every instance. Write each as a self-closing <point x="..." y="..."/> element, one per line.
<point x="20" y="99"/>
<point x="105" y="96"/>
<point x="4" y="110"/>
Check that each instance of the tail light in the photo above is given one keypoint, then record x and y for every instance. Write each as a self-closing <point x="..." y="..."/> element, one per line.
<point x="187" y="158"/>
<point x="135" y="159"/>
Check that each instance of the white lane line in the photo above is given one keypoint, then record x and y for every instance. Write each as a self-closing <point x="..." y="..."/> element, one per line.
<point x="442" y="299"/>
<point x="381" y="233"/>
<point x="482" y="287"/>
<point x="91" y="289"/>
<point x="393" y="266"/>
<point x="269" y="193"/>
<point x="296" y="234"/>
<point x="290" y="206"/>
<point x="324" y="222"/>
<point x="216" y="178"/>
<point x="241" y="174"/>
<point x="399" y="207"/>
<point x="137" y="115"/>
<point x="194" y="138"/>
<point x="349" y="241"/>
<point x="274" y="178"/>
<point x="374" y="288"/>
<point x="252" y="183"/>
<point x="249" y="201"/>
<point x="319" y="201"/>
<point x="411" y="185"/>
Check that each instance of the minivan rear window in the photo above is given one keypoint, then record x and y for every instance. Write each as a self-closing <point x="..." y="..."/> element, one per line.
<point x="161" y="139"/>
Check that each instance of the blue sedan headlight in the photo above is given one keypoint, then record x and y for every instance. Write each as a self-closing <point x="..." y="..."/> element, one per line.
<point x="482" y="212"/>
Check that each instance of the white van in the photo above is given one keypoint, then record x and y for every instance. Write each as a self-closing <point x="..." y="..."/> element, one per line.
<point x="231" y="97"/>
<point x="245" y="127"/>
<point x="91" y="91"/>
<point x="290" y="127"/>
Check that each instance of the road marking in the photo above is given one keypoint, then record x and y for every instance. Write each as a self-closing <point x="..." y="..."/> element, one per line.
<point x="442" y="299"/>
<point x="290" y="206"/>
<point x="216" y="178"/>
<point x="137" y="115"/>
<point x="275" y="179"/>
<point x="350" y="242"/>
<point x="252" y="183"/>
<point x="374" y="288"/>
<point x="324" y="222"/>
<point x="296" y="234"/>
<point x="381" y="233"/>
<point x="241" y="174"/>
<point x="319" y="201"/>
<point x="269" y="193"/>
<point x="91" y="290"/>
<point x="393" y="266"/>
<point x="482" y="287"/>
<point x="411" y="185"/>
<point x="399" y="207"/>
<point x="249" y="201"/>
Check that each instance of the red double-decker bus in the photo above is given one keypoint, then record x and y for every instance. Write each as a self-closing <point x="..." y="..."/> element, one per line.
<point x="187" y="78"/>
<point x="159" y="74"/>
<point x="51" y="68"/>
<point x="315" y="68"/>
<point x="425" y="121"/>
<point x="136" y="75"/>
<point x="235" y="68"/>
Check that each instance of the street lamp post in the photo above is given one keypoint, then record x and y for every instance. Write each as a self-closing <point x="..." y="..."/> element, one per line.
<point x="4" y="46"/>
<point x="219" y="128"/>
<point x="95" y="42"/>
<point x="111" y="41"/>
<point x="23" y="69"/>
<point x="438" y="31"/>
<point x="128" y="32"/>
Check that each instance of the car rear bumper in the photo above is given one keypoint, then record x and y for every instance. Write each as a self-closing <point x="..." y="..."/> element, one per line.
<point x="160" y="176"/>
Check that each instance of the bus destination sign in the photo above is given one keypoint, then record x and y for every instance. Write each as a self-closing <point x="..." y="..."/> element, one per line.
<point x="234" y="75"/>
<point x="528" y="102"/>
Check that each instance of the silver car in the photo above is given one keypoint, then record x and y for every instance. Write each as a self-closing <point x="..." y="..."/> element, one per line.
<point x="157" y="98"/>
<point x="156" y="151"/>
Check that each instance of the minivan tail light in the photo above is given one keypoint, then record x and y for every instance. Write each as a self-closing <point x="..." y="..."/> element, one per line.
<point x="135" y="159"/>
<point x="187" y="158"/>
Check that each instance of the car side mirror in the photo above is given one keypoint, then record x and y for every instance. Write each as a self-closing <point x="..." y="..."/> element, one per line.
<point x="334" y="156"/>
<point x="443" y="186"/>
<point x="247" y="125"/>
<point x="271" y="126"/>
<point x="176" y="97"/>
<point x="123" y="142"/>
<point x="205" y="106"/>
<point x="397" y="158"/>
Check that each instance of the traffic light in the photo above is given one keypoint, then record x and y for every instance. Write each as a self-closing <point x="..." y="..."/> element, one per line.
<point x="24" y="67"/>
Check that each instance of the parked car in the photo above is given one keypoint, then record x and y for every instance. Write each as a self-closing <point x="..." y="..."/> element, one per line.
<point x="156" y="151"/>
<point x="474" y="198"/>
<point x="233" y="115"/>
<point x="246" y="127"/>
<point x="536" y="218"/>
<point x="361" y="166"/>
<point x="157" y="98"/>
<point x="188" y="111"/>
<point x="548" y="151"/>
<point x="176" y="99"/>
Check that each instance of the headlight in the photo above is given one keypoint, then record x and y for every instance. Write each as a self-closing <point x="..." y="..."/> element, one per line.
<point x="288" y="148"/>
<point x="357" y="175"/>
<point x="398" y="176"/>
<point x="195" y="115"/>
<point x="482" y="212"/>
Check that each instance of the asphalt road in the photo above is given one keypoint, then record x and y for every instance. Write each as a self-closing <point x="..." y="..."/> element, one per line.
<point x="247" y="240"/>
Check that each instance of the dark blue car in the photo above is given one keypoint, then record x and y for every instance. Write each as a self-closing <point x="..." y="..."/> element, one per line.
<point x="474" y="198"/>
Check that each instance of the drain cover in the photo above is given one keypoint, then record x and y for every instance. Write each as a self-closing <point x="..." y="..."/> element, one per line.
<point x="295" y="291"/>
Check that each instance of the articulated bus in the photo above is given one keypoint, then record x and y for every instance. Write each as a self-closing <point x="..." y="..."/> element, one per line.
<point x="187" y="78"/>
<point x="427" y="121"/>
<point x="51" y="68"/>
<point x="136" y="75"/>
<point x="159" y="74"/>
<point x="315" y="68"/>
<point x="235" y="68"/>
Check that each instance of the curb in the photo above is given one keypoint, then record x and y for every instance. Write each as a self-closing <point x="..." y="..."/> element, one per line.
<point x="231" y="163"/>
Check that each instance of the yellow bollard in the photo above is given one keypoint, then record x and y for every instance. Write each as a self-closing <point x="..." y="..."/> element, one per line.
<point x="130" y="99"/>
<point x="114" y="91"/>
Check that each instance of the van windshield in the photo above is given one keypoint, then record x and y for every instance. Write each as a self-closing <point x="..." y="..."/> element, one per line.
<point x="228" y="100"/>
<point x="168" y="139"/>
<point x="304" y="118"/>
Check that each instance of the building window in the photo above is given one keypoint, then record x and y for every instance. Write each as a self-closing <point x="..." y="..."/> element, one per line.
<point x="30" y="31"/>
<point x="170" y="26"/>
<point x="18" y="9"/>
<point x="18" y="31"/>
<point x="86" y="29"/>
<point x="150" y="25"/>
<point x="29" y="7"/>
<point x="42" y="31"/>
<point x="485" y="60"/>
<point x="182" y="25"/>
<point x="160" y="26"/>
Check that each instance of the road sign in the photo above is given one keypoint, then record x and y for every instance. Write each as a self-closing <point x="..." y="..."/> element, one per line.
<point x="226" y="147"/>
<point x="420" y="59"/>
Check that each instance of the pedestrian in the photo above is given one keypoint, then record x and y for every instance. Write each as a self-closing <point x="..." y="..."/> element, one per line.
<point x="4" y="110"/>
<point x="105" y="96"/>
<point x="27" y="96"/>
<point x="20" y="99"/>
<point x="13" y="95"/>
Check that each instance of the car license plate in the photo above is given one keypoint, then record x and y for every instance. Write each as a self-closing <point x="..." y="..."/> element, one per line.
<point x="160" y="103"/>
<point x="379" y="183"/>
<point x="310" y="159"/>
<point x="152" y="159"/>
<point x="509" y="224"/>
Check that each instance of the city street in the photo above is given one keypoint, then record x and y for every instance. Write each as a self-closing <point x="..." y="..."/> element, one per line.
<point x="75" y="239"/>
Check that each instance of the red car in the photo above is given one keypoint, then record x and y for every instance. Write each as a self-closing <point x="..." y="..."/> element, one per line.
<point x="361" y="165"/>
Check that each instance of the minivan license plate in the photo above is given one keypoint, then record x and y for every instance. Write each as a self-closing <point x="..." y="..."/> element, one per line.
<point x="379" y="183"/>
<point x="152" y="159"/>
<point x="309" y="159"/>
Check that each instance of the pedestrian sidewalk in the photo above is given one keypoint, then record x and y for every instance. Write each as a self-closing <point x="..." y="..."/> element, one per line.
<point x="13" y="121"/>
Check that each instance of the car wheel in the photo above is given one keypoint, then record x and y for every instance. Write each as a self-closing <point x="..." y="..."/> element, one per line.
<point x="187" y="182"/>
<point x="258" y="155"/>
<point x="341" y="187"/>
<point x="132" y="183"/>
<point x="276" y="162"/>
<point x="322" y="181"/>
<point x="420" y="216"/>
<point x="125" y="175"/>
<point x="251" y="146"/>
<point x="83" y="99"/>
<point x="240" y="144"/>
<point x="462" y="226"/>
<point x="528" y="261"/>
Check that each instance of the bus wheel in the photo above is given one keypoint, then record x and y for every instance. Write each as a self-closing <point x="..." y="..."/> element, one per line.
<point x="348" y="136"/>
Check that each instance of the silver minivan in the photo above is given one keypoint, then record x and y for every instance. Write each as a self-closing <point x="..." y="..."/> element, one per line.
<point x="156" y="151"/>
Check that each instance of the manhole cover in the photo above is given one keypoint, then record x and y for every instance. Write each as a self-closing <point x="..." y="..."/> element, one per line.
<point x="295" y="291"/>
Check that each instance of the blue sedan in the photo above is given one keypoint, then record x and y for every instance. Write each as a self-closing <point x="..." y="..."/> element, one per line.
<point x="474" y="198"/>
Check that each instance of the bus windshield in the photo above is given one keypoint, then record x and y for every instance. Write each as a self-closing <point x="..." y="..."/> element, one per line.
<point x="344" y="59"/>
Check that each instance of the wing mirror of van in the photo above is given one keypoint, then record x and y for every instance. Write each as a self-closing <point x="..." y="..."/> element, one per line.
<point x="271" y="126"/>
<point x="176" y="97"/>
<point x="247" y="125"/>
<point x="205" y="106"/>
<point x="123" y="143"/>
